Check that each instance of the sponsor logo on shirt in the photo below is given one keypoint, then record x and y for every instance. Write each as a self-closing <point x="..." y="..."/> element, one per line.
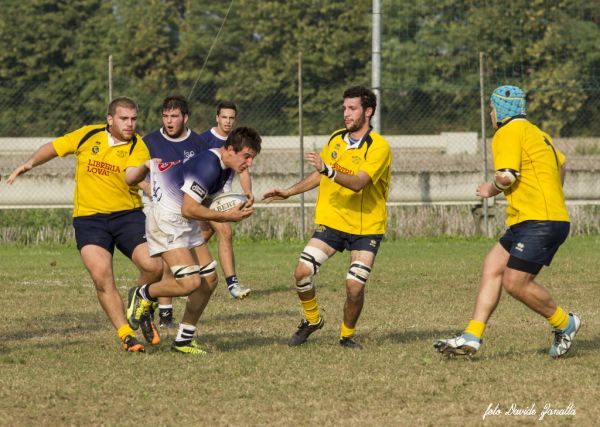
<point x="166" y="165"/>
<point x="199" y="190"/>
<point x="339" y="168"/>
<point x="102" y="168"/>
<point x="187" y="155"/>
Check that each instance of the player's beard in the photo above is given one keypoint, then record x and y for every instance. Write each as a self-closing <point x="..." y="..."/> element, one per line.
<point x="177" y="134"/>
<point x="356" y="125"/>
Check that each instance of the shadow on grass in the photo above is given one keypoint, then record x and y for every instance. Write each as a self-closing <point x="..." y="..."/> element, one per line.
<point x="254" y="315"/>
<point x="63" y="324"/>
<point x="412" y="335"/>
<point x="224" y="342"/>
<point x="268" y="291"/>
<point x="580" y="347"/>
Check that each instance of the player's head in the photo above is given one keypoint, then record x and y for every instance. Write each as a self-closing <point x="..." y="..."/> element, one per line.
<point x="122" y="118"/>
<point x="226" y="115"/>
<point x="507" y="101"/>
<point x="359" y="106"/>
<point x="242" y="145"/>
<point x="175" y="114"/>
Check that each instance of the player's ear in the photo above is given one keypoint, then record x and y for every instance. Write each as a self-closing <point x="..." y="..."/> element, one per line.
<point x="185" y="119"/>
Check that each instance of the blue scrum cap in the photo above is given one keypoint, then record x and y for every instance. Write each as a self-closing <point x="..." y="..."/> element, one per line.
<point x="509" y="101"/>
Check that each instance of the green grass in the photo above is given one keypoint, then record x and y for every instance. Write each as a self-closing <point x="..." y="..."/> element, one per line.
<point x="61" y="364"/>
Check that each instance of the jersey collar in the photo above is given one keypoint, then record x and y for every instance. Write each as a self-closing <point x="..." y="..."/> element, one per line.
<point x="183" y="137"/>
<point x="112" y="142"/>
<point x="505" y="122"/>
<point x="360" y="143"/>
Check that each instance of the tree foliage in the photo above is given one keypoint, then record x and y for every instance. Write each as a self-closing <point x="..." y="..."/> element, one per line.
<point x="54" y="71"/>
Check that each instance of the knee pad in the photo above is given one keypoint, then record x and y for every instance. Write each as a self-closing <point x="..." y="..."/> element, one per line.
<point x="181" y="271"/>
<point x="359" y="272"/>
<point x="313" y="258"/>
<point x="208" y="269"/>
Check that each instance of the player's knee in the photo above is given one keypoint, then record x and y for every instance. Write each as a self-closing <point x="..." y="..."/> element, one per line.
<point x="208" y="273"/>
<point x="511" y="287"/>
<point x="359" y="272"/>
<point x="225" y="233"/>
<point x="151" y="269"/>
<point x="187" y="277"/>
<point x="308" y="266"/>
<point x="311" y="260"/>
<point x="355" y="292"/>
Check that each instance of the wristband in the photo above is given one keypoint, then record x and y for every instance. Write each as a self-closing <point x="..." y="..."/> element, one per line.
<point x="496" y="186"/>
<point x="328" y="171"/>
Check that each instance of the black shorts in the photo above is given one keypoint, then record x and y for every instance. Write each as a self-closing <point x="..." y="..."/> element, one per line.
<point x="532" y="244"/>
<point x="125" y="229"/>
<point x="341" y="241"/>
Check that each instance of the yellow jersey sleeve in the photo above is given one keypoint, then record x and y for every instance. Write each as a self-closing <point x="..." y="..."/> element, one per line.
<point x="67" y="144"/>
<point x="139" y="154"/>
<point x="507" y="150"/>
<point x="377" y="161"/>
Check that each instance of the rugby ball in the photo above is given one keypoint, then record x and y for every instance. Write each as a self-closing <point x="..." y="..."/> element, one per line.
<point x="226" y="201"/>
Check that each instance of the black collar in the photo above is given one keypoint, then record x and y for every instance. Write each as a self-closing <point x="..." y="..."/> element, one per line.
<point x="519" y="116"/>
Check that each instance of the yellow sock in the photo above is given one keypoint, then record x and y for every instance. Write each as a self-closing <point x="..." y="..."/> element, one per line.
<point x="311" y="311"/>
<point x="476" y="328"/>
<point x="346" y="332"/>
<point x="125" y="331"/>
<point x="560" y="319"/>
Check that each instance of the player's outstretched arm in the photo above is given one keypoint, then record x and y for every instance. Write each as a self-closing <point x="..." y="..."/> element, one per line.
<point x="136" y="174"/>
<point x="308" y="183"/>
<point x="353" y="182"/>
<point x="43" y="154"/>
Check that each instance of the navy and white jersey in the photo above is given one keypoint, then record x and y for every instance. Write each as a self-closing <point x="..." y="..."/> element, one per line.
<point x="212" y="138"/>
<point x="169" y="149"/>
<point x="201" y="176"/>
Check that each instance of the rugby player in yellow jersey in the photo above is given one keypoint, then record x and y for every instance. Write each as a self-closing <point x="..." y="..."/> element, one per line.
<point x="353" y="176"/>
<point x="530" y="172"/>
<point x="107" y="212"/>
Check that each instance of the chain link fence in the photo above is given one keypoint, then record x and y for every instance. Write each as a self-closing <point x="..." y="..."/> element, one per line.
<point x="438" y="153"/>
<point x="431" y="113"/>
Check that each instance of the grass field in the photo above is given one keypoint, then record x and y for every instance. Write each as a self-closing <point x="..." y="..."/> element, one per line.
<point x="61" y="363"/>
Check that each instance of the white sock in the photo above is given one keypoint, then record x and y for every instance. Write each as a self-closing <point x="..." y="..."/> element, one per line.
<point x="185" y="333"/>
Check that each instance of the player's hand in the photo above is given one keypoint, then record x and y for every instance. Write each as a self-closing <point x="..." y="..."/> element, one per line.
<point x="275" y="194"/>
<point x="315" y="160"/>
<point x="238" y="213"/>
<point x="486" y="189"/>
<point x="18" y="171"/>
<point x="156" y="161"/>
<point x="250" y="200"/>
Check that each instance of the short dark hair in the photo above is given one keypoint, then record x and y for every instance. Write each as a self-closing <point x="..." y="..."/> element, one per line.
<point x="244" y="137"/>
<point x="367" y="97"/>
<point x="121" y="101"/>
<point x="228" y="105"/>
<point x="176" y="102"/>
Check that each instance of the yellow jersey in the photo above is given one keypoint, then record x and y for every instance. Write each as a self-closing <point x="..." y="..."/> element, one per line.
<point x="340" y="208"/>
<point x="100" y="185"/>
<point x="537" y="193"/>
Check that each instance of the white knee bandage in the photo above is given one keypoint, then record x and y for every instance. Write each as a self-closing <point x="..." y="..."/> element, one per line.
<point x="358" y="271"/>
<point x="209" y="269"/>
<point x="313" y="258"/>
<point x="181" y="271"/>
